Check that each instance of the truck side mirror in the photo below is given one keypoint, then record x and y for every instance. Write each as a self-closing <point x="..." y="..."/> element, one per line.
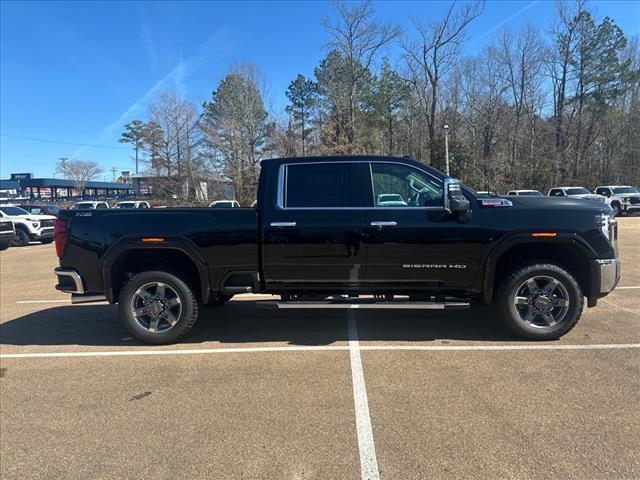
<point x="454" y="200"/>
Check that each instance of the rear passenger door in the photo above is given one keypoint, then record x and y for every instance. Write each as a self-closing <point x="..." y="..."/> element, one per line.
<point x="313" y="234"/>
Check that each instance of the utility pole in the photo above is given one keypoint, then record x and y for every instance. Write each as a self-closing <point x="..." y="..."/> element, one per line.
<point x="113" y="171"/>
<point x="446" y="146"/>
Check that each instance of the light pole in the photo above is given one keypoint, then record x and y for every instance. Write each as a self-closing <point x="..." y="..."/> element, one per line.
<point x="446" y="146"/>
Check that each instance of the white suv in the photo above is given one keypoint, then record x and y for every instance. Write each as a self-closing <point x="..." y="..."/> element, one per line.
<point x="622" y="198"/>
<point x="132" y="204"/>
<point x="524" y="193"/>
<point x="29" y="227"/>
<point x="575" y="192"/>
<point x="7" y="232"/>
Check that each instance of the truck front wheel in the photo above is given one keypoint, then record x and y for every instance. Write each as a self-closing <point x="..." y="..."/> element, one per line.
<point x="158" y="307"/>
<point x="540" y="301"/>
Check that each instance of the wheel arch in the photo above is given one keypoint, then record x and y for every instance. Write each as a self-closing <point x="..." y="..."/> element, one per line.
<point x="179" y="256"/>
<point x="566" y="250"/>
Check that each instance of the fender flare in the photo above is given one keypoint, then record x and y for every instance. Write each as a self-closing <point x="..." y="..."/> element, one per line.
<point x="512" y="240"/>
<point x="183" y="245"/>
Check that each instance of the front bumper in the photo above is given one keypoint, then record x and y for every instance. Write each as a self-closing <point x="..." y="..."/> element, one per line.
<point x="42" y="235"/>
<point x="605" y="275"/>
<point x="7" y="237"/>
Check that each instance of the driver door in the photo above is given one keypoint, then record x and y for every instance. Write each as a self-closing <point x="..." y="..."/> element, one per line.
<point x="410" y="239"/>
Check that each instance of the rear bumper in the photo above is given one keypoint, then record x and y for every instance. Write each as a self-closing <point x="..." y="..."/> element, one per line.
<point x="69" y="281"/>
<point x="7" y="237"/>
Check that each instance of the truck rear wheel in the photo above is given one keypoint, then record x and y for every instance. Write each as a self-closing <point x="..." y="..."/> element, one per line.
<point x="540" y="301"/>
<point x="158" y="307"/>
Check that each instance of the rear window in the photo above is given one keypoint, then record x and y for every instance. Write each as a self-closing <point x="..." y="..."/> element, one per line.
<point x="323" y="185"/>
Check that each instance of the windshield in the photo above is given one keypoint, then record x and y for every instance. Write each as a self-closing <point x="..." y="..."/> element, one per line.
<point x="531" y="193"/>
<point x="125" y="205"/>
<point x="577" y="191"/>
<point x="624" y="190"/>
<point x="14" y="211"/>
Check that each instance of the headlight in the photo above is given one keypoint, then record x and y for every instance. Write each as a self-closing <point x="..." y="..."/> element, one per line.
<point x="625" y="199"/>
<point x="35" y="224"/>
<point x="606" y="223"/>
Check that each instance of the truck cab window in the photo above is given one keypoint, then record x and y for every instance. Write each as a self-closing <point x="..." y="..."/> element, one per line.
<point x="397" y="185"/>
<point x="322" y="185"/>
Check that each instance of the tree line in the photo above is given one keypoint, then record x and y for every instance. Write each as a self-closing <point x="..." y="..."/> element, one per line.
<point x="531" y="110"/>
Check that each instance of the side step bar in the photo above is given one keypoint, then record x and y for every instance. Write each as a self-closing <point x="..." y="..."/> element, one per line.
<point x="360" y="304"/>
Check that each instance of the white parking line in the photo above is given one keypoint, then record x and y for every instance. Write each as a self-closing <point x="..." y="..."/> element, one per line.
<point x="368" y="461"/>
<point x="627" y="288"/>
<point x="325" y="348"/>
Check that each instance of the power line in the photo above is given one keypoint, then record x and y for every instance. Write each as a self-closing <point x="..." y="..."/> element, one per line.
<point x="113" y="147"/>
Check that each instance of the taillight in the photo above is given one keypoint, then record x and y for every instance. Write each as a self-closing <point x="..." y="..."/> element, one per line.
<point x="61" y="229"/>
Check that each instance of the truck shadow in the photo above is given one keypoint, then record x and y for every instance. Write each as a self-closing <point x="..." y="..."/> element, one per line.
<point x="241" y="322"/>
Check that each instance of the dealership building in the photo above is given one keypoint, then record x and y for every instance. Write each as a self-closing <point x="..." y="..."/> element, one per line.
<point x="26" y="185"/>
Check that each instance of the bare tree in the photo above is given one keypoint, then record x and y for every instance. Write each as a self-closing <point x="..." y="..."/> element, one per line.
<point x="176" y="138"/>
<point x="79" y="172"/>
<point x="358" y="37"/>
<point x="434" y="53"/>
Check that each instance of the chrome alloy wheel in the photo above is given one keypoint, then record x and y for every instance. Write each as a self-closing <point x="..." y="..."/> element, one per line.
<point x="541" y="302"/>
<point x="156" y="307"/>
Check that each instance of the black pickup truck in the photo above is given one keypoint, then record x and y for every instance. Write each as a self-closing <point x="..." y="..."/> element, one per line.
<point x="346" y="232"/>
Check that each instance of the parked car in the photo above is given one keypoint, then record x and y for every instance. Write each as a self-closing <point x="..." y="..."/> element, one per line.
<point x="225" y="204"/>
<point x="318" y="239"/>
<point x="391" y="200"/>
<point x="132" y="204"/>
<point x="37" y="209"/>
<point x="575" y="192"/>
<point x="7" y="232"/>
<point x="622" y="198"/>
<point x="29" y="227"/>
<point x="89" y="205"/>
<point x="524" y="193"/>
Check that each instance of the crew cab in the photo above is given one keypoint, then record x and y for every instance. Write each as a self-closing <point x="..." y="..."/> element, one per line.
<point x="319" y="237"/>
<point x="622" y="198"/>
<point x="7" y="232"/>
<point x="575" y="192"/>
<point x="29" y="227"/>
<point x="132" y="204"/>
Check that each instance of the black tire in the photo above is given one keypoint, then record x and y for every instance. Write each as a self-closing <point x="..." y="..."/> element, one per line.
<point x="541" y="327"/>
<point x="617" y="208"/>
<point x="130" y="296"/>
<point x="47" y="241"/>
<point x="4" y="246"/>
<point x="22" y="238"/>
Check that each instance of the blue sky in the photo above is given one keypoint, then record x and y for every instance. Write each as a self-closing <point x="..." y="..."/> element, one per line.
<point x="75" y="72"/>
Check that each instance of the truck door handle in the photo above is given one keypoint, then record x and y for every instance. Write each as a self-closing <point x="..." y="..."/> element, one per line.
<point x="383" y="224"/>
<point x="283" y="224"/>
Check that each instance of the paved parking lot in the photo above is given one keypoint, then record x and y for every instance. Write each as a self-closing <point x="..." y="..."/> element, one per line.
<point x="314" y="394"/>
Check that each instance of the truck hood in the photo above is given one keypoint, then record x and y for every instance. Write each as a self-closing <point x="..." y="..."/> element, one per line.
<point x="32" y="218"/>
<point x="572" y="203"/>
